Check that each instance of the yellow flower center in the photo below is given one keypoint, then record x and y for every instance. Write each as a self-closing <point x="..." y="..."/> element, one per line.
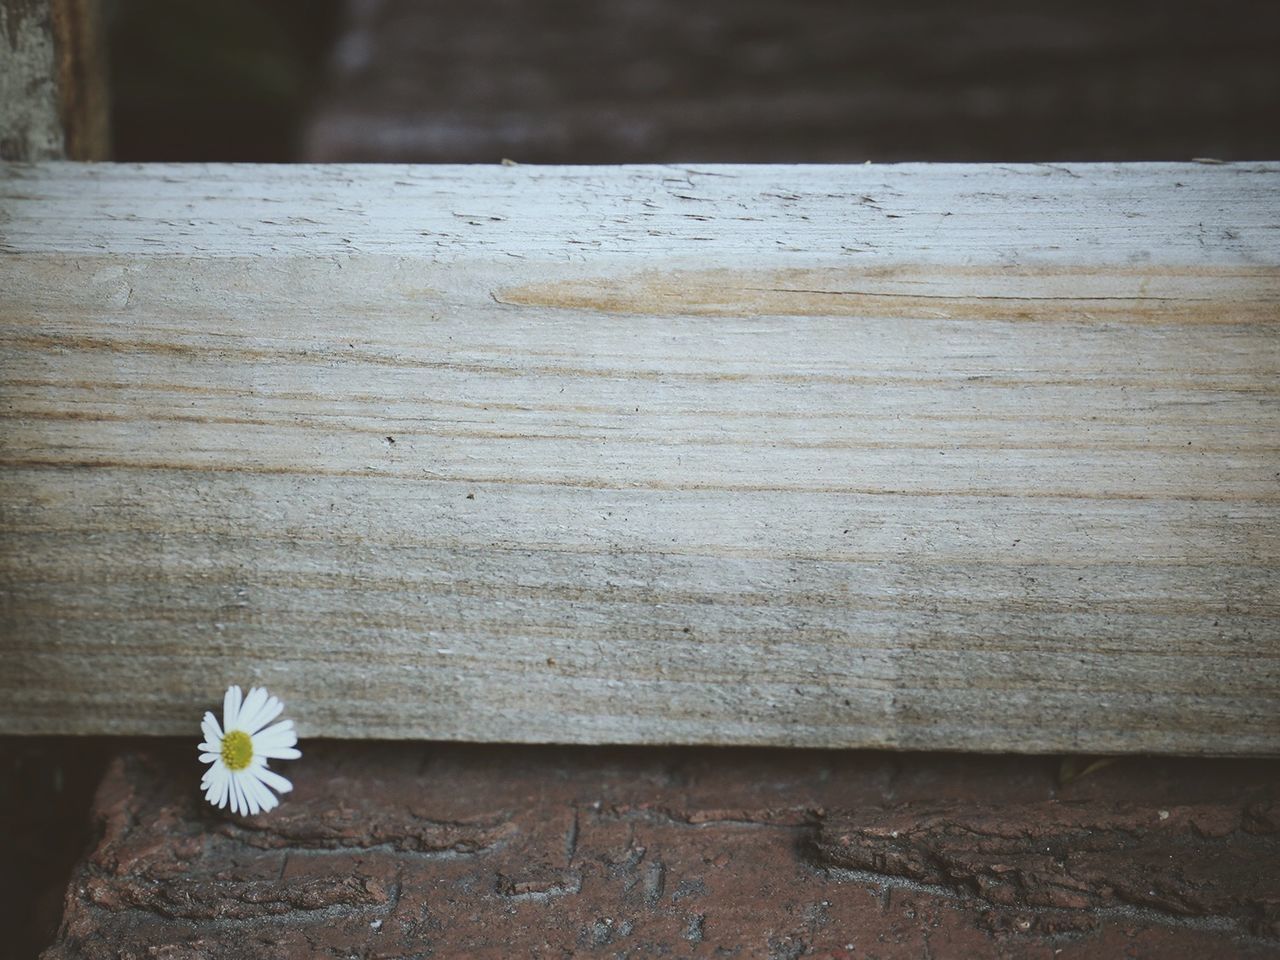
<point x="237" y="749"/>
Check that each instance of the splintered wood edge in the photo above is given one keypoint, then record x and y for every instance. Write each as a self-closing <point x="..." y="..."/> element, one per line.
<point x="918" y="456"/>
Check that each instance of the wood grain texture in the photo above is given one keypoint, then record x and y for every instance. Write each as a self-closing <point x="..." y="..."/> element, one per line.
<point x="958" y="457"/>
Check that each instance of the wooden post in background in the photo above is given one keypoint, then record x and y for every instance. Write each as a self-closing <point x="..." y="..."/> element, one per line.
<point x="53" y="81"/>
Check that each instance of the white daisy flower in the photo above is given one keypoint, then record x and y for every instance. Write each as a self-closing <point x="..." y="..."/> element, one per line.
<point x="239" y="751"/>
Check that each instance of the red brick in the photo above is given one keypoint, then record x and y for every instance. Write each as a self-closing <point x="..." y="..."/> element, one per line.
<point x="443" y="851"/>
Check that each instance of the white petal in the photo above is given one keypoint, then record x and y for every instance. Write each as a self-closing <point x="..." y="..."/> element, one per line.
<point x="273" y="779"/>
<point x="270" y="710"/>
<point x="280" y="735"/>
<point x="211" y="788"/>
<point x="209" y="726"/>
<point x="280" y="753"/>
<point x="238" y="801"/>
<point x="245" y="783"/>
<point x="253" y="703"/>
<point x="231" y="707"/>
<point x="224" y="788"/>
<point x="264" y="797"/>
<point x="209" y="757"/>
<point x="214" y="779"/>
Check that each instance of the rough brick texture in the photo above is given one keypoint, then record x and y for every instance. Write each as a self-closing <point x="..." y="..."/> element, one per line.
<point x="441" y="851"/>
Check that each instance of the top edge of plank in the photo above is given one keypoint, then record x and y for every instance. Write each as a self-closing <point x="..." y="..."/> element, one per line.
<point x="1105" y="213"/>
<point x="1045" y="168"/>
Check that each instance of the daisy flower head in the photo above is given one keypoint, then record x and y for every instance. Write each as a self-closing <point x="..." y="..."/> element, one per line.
<point x="238" y="752"/>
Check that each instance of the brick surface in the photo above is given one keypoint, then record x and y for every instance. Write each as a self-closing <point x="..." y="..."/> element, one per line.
<point x="442" y="851"/>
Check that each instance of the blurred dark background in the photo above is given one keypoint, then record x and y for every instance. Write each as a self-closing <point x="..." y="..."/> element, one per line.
<point x="609" y="81"/>
<point x="46" y="787"/>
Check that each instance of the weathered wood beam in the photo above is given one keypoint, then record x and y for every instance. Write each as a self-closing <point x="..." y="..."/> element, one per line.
<point x="962" y="457"/>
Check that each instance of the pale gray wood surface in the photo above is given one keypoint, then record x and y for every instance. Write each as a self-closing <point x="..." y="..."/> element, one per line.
<point x="978" y="457"/>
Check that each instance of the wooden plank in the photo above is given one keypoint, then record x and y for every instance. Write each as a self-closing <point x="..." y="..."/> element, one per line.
<point x="962" y="457"/>
<point x="53" y="81"/>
